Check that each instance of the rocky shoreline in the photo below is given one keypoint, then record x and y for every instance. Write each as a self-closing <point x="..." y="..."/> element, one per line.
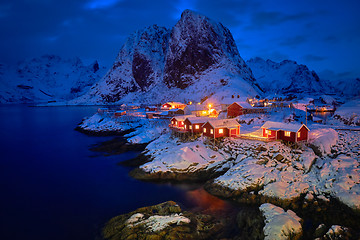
<point x="254" y="173"/>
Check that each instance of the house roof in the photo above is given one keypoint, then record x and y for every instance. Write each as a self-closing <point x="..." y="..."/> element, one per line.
<point x="194" y="120"/>
<point x="197" y="107"/>
<point x="243" y="104"/>
<point x="182" y="117"/>
<point x="175" y="110"/>
<point x="223" y="123"/>
<point x="174" y="103"/>
<point x="291" y="127"/>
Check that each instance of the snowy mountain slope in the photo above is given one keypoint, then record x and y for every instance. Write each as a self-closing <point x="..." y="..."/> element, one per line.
<point x="286" y="77"/>
<point x="138" y="66"/>
<point x="47" y="78"/>
<point x="347" y="87"/>
<point x="197" y="58"/>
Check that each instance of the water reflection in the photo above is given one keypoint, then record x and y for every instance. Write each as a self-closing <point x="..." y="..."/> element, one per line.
<point x="207" y="203"/>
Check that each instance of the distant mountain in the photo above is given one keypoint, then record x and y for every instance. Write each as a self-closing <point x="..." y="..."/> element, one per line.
<point x="286" y="77"/>
<point x="346" y="87"/>
<point x="47" y="78"/>
<point x="197" y="58"/>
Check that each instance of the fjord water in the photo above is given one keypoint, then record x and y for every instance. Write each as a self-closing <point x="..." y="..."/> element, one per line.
<point x="53" y="187"/>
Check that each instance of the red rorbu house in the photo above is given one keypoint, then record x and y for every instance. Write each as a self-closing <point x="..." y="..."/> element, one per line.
<point x="177" y="122"/>
<point x="172" y="105"/>
<point x="221" y="128"/>
<point x="194" y="124"/>
<point x="151" y="108"/>
<point x="238" y="108"/>
<point x="286" y="132"/>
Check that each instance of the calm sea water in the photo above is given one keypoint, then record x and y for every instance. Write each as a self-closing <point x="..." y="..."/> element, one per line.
<point x="53" y="187"/>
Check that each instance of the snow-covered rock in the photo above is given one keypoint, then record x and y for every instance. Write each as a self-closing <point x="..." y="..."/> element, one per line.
<point x="47" y="78"/>
<point x="286" y="77"/>
<point x="349" y="113"/>
<point x="280" y="224"/>
<point x="323" y="139"/>
<point x="198" y="57"/>
<point x="177" y="160"/>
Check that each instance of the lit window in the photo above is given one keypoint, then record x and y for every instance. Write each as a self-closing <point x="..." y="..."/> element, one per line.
<point x="298" y="134"/>
<point x="269" y="132"/>
<point x="221" y="130"/>
<point x="266" y="131"/>
<point x="287" y="134"/>
<point x="204" y="130"/>
<point x="185" y="126"/>
<point x="190" y="127"/>
<point x="211" y="131"/>
<point x="173" y="122"/>
<point x="196" y="126"/>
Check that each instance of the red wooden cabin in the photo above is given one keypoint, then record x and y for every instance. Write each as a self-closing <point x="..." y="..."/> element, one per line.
<point x="151" y="108"/>
<point x="194" y="124"/>
<point x="238" y="108"/>
<point x="286" y="132"/>
<point x="177" y="122"/>
<point x="221" y="128"/>
<point x="171" y="105"/>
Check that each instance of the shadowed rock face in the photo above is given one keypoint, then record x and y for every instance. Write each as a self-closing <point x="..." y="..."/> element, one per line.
<point x="197" y="44"/>
<point x="142" y="70"/>
<point x="178" y="58"/>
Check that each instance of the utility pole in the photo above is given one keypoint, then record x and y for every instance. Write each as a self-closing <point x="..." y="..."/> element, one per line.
<point x="306" y="114"/>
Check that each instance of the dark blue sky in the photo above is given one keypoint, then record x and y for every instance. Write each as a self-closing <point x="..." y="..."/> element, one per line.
<point x="323" y="34"/>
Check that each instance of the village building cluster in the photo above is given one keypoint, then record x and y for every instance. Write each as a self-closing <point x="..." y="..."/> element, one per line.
<point x="218" y="119"/>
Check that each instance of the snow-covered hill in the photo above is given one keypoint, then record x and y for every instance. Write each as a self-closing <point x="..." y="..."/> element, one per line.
<point x="198" y="57"/>
<point x="47" y="78"/>
<point x="286" y="77"/>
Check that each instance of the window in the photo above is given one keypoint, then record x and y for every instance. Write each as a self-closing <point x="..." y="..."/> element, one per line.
<point x="287" y="134"/>
<point x="298" y="134"/>
<point x="221" y="130"/>
<point x="190" y="127"/>
<point x="196" y="126"/>
<point x="204" y="130"/>
<point x="266" y="131"/>
<point x="173" y="122"/>
<point x="269" y="132"/>
<point x="211" y="131"/>
<point x="185" y="126"/>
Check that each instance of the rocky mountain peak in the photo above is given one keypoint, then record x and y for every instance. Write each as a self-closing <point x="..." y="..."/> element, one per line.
<point x="197" y="54"/>
<point x="196" y="45"/>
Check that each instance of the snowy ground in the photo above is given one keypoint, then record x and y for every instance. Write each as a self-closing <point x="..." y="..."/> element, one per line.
<point x="280" y="224"/>
<point x="145" y="130"/>
<point x="329" y="168"/>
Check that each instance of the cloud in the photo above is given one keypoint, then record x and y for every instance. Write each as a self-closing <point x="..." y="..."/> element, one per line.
<point x="260" y="20"/>
<point x="96" y="4"/>
<point x="293" y="41"/>
<point x="313" y="58"/>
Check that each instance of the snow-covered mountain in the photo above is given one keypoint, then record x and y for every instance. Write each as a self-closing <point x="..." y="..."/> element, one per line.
<point x="198" y="57"/>
<point x="47" y="78"/>
<point x="346" y="87"/>
<point x="286" y="77"/>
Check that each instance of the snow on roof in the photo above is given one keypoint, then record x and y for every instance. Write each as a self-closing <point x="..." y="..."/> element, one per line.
<point x="151" y="107"/>
<point x="174" y="110"/>
<point x="194" y="120"/>
<point x="165" y="113"/>
<point x="182" y="117"/>
<point x="244" y="104"/>
<point x="223" y="123"/>
<point x="174" y="103"/>
<point x="293" y="127"/>
<point x="197" y="107"/>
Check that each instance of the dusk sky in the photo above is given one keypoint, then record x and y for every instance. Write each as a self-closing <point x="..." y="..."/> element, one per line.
<point x="324" y="35"/>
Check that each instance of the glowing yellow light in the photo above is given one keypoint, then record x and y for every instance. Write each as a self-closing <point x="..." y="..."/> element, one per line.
<point x="209" y="105"/>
